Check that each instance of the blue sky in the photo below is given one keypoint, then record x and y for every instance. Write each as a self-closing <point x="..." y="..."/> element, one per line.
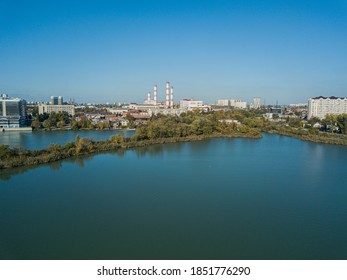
<point x="99" y="51"/>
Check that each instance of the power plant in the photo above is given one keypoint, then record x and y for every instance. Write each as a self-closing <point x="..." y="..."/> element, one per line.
<point x="169" y="101"/>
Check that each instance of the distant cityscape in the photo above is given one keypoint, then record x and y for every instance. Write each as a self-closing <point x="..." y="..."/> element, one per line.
<point x="18" y="114"/>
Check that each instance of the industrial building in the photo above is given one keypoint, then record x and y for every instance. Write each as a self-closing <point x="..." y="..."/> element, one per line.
<point x="12" y="112"/>
<point x="190" y="104"/>
<point x="169" y="100"/>
<point x="142" y="107"/>
<point x="320" y="106"/>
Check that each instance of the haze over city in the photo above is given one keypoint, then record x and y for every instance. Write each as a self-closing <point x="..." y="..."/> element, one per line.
<point x="107" y="51"/>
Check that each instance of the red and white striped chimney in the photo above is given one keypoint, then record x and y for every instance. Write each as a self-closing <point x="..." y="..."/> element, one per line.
<point x="155" y="94"/>
<point x="171" y="98"/>
<point x="149" y="97"/>
<point x="167" y="95"/>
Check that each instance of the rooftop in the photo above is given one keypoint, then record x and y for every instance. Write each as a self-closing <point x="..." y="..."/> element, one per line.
<point x="331" y="97"/>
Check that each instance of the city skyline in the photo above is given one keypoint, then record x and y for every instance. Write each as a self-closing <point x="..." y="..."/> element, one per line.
<point x="112" y="51"/>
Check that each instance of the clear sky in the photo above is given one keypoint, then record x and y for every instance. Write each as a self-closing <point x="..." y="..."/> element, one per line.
<point x="99" y="51"/>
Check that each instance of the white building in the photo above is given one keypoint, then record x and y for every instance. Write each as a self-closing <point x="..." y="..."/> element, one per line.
<point x="70" y="109"/>
<point x="298" y="105"/>
<point x="321" y="106"/>
<point x="116" y="111"/>
<point x="223" y="102"/>
<point x="237" y="103"/>
<point x="256" y="103"/>
<point x="142" y="107"/>
<point x="164" y="111"/>
<point x="190" y="104"/>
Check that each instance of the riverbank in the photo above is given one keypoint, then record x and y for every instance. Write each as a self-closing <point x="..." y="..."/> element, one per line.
<point x="16" y="129"/>
<point x="69" y="128"/>
<point x="11" y="158"/>
<point x="312" y="136"/>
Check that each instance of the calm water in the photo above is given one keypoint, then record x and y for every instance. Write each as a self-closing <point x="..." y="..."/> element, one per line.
<point x="274" y="198"/>
<point x="42" y="139"/>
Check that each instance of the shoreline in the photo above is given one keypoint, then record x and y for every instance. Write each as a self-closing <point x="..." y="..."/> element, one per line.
<point x="69" y="150"/>
<point x="57" y="152"/>
<point x="320" y="138"/>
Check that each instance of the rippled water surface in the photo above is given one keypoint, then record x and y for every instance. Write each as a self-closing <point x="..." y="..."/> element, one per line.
<point x="273" y="198"/>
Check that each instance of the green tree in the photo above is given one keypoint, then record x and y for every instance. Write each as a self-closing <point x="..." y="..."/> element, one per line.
<point x="118" y="138"/>
<point x="341" y="121"/>
<point x="47" y="124"/>
<point x="101" y="125"/>
<point x="61" y="124"/>
<point x="36" y="124"/>
<point x="79" y="144"/>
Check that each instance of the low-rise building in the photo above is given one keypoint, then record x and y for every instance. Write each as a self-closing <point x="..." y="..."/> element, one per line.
<point x="167" y="112"/>
<point x="142" y="107"/>
<point x="44" y="108"/>
<point x="117" y="111"/>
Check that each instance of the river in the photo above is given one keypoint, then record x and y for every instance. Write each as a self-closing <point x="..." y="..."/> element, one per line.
<point x="272" y="198"/>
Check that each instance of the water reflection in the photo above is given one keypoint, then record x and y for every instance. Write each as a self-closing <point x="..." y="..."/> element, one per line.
<point x="7" y="174"/>
<point x="157" y="150"/>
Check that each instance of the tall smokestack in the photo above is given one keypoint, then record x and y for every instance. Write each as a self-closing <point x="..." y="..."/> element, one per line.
<point x="167" y="95"/>
<point x="171" y="98"/>
<point x="155" y="94"/>
<point x="149" y="97"/>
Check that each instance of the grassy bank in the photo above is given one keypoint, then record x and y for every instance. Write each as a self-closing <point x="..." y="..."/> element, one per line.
<point x="191" y="126"/>
<point x="311" y="135"/>
<point x="11" y="158"/>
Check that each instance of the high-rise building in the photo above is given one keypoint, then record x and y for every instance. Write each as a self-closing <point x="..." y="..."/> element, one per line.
<point x="320" y="106"/>
<point x="12" y="112"/>
<point x="256" y="103"/>
<point x="60" y="100"/>
<point x="54" y="100"/>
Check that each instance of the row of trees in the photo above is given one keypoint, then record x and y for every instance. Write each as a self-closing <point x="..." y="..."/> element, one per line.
<point x="62" y="119"/>
<point x="52" y="120"/>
